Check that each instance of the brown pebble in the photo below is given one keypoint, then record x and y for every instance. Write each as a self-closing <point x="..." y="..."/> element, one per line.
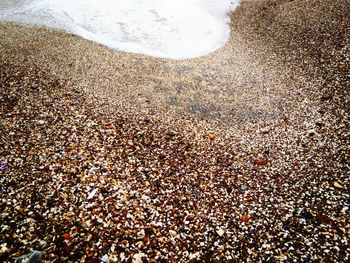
<point x="245" y="218"/>
<point x="260" y="162"/>
<point x="190" y="218"/>
<point x="323" y="218"/>
<point x="212" y="136"/>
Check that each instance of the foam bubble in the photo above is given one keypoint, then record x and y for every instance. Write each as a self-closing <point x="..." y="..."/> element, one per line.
<point x="161" y="28"/>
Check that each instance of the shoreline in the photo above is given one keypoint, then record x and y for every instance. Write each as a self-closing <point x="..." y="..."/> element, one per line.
<point x="239" y="155"/>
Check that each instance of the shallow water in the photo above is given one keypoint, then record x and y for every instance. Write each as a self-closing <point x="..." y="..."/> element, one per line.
<point x="162" y="28"/>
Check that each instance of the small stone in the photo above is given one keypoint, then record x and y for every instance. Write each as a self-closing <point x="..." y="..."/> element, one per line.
<point x="212" y="136"/>
<point x="147" y="119"/>
<point x="172" y="133"/>
<point x="65" y="236"/>
<point x="260" y="162"/>
<point x="3" y="165"/>
<point x="92" y="193"/>
<point x="146" y="198"/>
<point x="109" y="125"/>
<point x="189" y="218"/>
<point x="34" y="256"/>
<point x="265" y="130"/>
<point x="338" y="185"/>
<point x="137" y="258"/>
<point x="323" y="218"/>
<point x="3" y="248"/>
<point x="124" y="213"/>
<point x="78" y="89"/>
<point x="105" y="258"/>
<point x="243" y="187"/>
<point x="154" y="243"/>
<point x="245" y="218"/>
<point x="220" y="232"/>
<point x="326" y="97"/>
<point x="157" y="224"/>
<point x="140" y="235"/>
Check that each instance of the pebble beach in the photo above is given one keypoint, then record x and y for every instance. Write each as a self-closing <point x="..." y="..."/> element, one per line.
<point x="238" y="156"/>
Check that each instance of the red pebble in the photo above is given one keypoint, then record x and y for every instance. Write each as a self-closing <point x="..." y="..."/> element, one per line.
<point x="260" y="162"/>
<point x="190" y="218"/>
<point x="66" y="236"/>
<point x="245" y="218"/>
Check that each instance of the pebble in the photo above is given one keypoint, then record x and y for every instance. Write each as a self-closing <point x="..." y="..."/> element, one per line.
<point x="212" y="136"/>
<point x="220" y="232"/>
<point x="189" y="218"/>
<point x="260" y="162"/>
<point x="338" y="185"/>
<point x="3" y="165"/>
<point x="66" y="236"/>
<point x="265" y="130"/>
<point x="92" y="194"/>
<point x="140" y="235"/>
<point x="245" y="218"/>
<point x="243" y="187"/>
<point x="105" y="258"/>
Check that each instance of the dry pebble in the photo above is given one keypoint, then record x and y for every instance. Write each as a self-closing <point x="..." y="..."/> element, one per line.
<point x="242" y="155"/>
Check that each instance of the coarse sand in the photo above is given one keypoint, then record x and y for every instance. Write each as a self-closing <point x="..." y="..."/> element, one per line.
<point x="241" y="155"/>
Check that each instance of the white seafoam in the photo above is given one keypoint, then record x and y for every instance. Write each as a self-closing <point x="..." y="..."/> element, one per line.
<point x="176" y="29"/>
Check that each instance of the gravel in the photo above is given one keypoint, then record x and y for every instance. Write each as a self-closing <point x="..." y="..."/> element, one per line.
<point x="242" y="155"/>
